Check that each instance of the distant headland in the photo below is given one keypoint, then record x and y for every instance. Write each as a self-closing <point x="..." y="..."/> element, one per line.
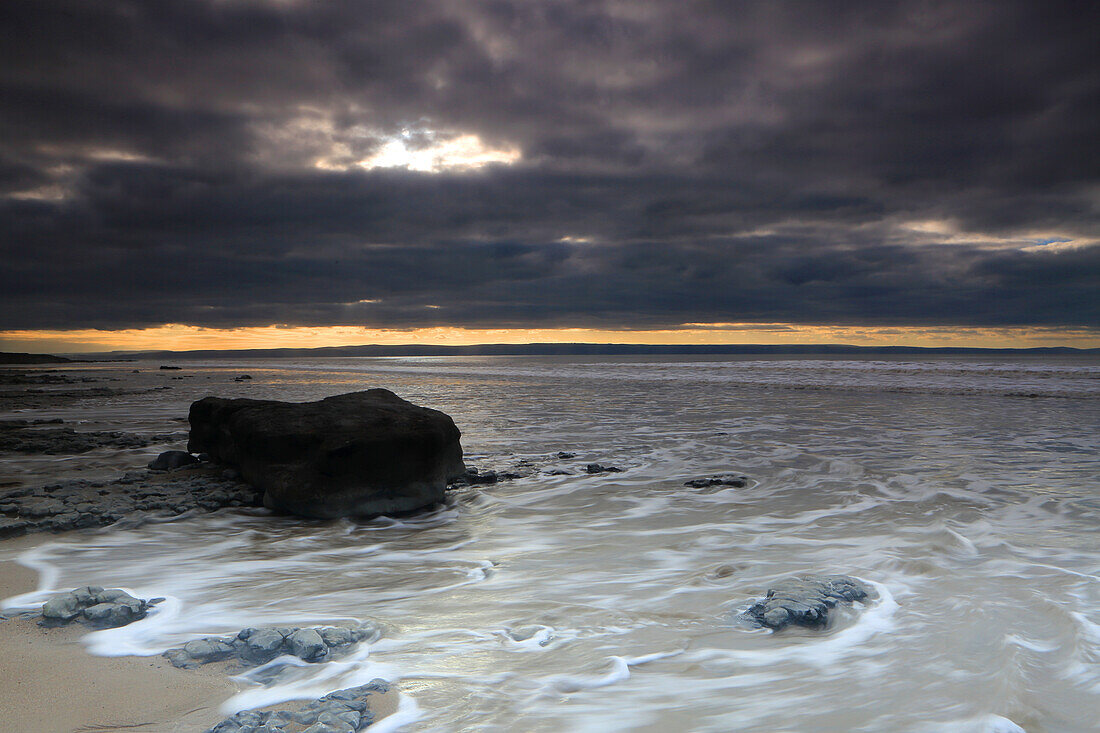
<point x="7" y="357"/>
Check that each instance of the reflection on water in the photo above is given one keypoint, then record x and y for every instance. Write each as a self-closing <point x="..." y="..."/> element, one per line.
<point x="597" y="603"/>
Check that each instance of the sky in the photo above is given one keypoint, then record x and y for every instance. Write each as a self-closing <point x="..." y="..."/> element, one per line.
<point x="239" y="173"/>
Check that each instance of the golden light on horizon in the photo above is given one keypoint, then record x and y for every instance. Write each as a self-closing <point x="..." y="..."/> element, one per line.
<point x="179" y="337"/>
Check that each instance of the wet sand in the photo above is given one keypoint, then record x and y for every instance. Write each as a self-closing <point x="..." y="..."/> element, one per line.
<point x="51" y="685"/>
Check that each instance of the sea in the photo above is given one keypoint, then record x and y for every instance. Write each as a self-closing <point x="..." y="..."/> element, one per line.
<point x="964" y="490"/>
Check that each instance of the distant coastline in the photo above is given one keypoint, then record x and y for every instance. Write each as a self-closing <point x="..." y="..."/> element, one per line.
<point x="583" y="349"/>
<point x="8" y="357"/>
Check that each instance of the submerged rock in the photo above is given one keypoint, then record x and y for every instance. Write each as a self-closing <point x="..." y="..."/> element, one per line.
<point x="805" y="601"/>
<point x="723" y="480"/>
<point x="343" y="711"/>
<point x="600" y="468"/>
<point x="259" y="646"/>
<point x="100" y="608"/>
<point x="358" y="454"/>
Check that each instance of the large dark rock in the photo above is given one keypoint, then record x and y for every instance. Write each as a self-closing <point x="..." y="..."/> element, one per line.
<point x="805" y="601"/>
<point x="358" y="454"/>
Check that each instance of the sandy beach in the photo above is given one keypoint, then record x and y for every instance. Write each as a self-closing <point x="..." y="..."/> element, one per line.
<point x="51" y="685"/>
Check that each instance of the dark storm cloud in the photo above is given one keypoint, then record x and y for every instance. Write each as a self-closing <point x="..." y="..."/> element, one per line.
<point x="831" y="163"/>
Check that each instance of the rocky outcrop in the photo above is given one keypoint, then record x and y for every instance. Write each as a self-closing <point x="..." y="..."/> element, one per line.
<point x="343" y="711"/>
<point x="259" y="646"/>
<point x="359" y="454"/>
<point x="102" y="609"/>
<point x="805" y="601"/>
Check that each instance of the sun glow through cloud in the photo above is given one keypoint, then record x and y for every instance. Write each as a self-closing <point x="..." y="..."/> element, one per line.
<point x="457" y="153"/>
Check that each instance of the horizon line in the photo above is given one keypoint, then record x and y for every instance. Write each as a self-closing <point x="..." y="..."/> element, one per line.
<point x="563" y="348"/>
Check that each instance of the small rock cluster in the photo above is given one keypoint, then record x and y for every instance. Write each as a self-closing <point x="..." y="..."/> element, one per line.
<point x="343" y="711"/>
<point x="728" y="479"/>
<point x="103" y="609"/>
<point x="805" y="601"/>
<point x="600" y="468"/>
<point x="259" y="646"/>
<point x="476" y="477"/>
<point x="80" y="503"/>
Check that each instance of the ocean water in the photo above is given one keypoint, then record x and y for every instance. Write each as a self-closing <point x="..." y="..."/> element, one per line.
<point x="965" y="491"/>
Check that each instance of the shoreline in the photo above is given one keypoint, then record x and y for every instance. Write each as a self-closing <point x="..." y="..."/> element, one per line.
<point x="52" y="684"/>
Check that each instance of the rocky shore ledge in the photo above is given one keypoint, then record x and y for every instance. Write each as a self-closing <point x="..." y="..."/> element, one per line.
<point x="80" y="503"/>
<point x="43" y="437"/>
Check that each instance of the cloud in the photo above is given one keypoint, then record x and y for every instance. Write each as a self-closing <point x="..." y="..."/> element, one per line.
<point x="609" y="164"/>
